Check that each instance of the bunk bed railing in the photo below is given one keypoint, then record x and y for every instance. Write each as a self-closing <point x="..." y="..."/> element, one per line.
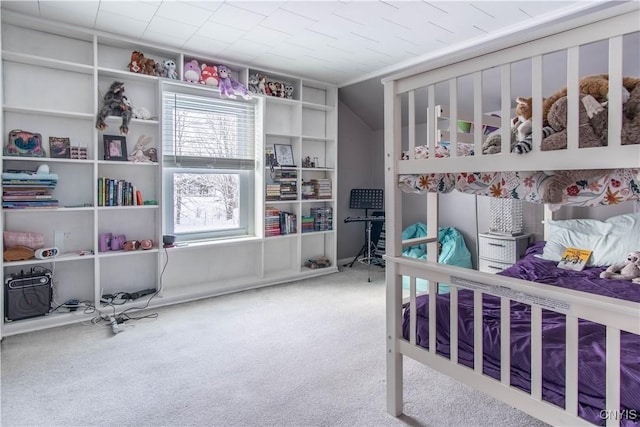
<point x="611" y="156"/>
<point x="617" y="315"/>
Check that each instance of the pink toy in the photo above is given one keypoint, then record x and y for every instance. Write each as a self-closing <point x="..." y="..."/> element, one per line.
<point x="192" y="72"/>
<point x="209" y="75"/>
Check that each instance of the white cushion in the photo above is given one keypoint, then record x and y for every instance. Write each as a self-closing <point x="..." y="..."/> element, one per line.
<point x="610" y="240"/>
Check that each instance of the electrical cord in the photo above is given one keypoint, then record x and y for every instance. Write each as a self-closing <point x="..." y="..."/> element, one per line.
<point x="120" y="298"/>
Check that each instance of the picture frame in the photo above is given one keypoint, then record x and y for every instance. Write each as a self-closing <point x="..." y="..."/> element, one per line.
<point x="60" y="147"/>
<point x="284" y="155"/>
<point x="115" y="147"/>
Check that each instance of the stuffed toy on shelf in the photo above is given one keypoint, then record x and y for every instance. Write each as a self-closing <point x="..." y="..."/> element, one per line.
<point x="229" y="87"/>
<point x="115" y="103"/>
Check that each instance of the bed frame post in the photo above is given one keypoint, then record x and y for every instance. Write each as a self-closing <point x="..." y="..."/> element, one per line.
<point x="393" y="225"/>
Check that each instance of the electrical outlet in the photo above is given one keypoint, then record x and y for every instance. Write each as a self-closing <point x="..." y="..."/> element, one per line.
<point x="67" y="235"/>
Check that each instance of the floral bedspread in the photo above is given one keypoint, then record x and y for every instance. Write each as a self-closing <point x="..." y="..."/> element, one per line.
<point x="609" y="188"/>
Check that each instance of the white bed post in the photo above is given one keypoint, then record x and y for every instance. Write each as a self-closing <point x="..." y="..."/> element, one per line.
<point x="393" y="225"/>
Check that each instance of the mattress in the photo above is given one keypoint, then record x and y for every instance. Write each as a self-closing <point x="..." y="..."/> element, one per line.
<point x="591" y="350"/>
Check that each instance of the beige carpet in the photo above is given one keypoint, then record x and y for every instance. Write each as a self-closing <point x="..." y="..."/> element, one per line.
<point x="309" y="353"/>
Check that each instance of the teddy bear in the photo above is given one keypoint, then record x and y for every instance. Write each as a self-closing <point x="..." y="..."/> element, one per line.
<point x="191" y="72"/>
<point x="628" y="270"/>
<point x="230" y="87"/>
<point x="209" y="75"/>
<point x="169" y="69"/>
<point x="136" y="62"/>
<point x="599" y="118"/>
<point x="557" y="118"/>
<point x="115" y="103"/>
<point x="596" y="85"/>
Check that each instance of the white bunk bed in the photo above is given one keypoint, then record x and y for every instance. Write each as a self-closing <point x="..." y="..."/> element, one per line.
<point x="412" y="95"/>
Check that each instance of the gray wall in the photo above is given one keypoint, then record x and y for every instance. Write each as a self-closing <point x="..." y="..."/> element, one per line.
<point x="355" y="170"/>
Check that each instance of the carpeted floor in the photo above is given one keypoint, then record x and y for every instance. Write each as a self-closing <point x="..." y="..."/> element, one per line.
<point x="309" y="353"/>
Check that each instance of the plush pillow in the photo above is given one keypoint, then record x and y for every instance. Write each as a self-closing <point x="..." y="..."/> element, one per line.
<point x="609" y="240"/>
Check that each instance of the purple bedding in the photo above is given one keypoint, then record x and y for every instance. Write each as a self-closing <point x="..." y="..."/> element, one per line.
<point x="591" y="350"/>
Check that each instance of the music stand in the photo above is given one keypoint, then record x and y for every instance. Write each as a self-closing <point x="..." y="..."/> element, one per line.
<point x="366" y="198"/>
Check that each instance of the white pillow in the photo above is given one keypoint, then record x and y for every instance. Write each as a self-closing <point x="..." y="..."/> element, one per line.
<point x="610" y="240"/>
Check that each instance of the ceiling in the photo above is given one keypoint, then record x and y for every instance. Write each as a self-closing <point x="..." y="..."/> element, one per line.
<point x="347" y="43"/>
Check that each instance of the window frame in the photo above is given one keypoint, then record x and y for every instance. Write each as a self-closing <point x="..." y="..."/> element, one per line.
<point x="248" y="177"/>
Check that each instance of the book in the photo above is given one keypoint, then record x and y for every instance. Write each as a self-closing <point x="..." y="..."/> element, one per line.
<point x="574" y="259"/>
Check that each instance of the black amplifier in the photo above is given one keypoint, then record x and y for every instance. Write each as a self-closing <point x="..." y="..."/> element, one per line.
<point x="27" y="295"/>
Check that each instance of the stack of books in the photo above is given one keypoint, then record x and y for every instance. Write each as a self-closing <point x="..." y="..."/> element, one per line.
<point x="308" y="224"/>
<point x="273" y="191"/>
<point x="23" y="189"/>
<point x="287" y="178"/>
<point x="323" y="219"/>
<point x="322" y="188"/>
<point x="271" y="222"/>
<point x="308" y="191"/>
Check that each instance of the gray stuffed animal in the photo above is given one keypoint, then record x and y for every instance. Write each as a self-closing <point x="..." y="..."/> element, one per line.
<point x="115" y="104"/>
<point x="630" y="119"/>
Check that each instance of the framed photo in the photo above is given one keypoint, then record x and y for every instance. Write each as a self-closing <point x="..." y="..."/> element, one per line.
<point x="60" y="148"/>
<point x="284" y="155"/>
<point x="115" y="147"/>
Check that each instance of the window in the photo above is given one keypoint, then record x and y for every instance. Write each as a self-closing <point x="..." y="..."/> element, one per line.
<point x="209" y="166"/>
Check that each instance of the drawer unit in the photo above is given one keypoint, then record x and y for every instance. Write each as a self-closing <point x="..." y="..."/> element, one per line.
<point x="496" y="252"/>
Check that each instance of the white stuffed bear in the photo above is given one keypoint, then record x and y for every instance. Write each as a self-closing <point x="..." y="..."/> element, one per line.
<point x="628" y="270"/>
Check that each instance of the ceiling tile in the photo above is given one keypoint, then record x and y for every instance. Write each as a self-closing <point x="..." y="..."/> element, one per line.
<point x="365" y="12"/>
<point x="27" y="7"/>
<point x="84" y="13"/>
<point x="178" y="30"/>
<point x="205" y="4"/>
<point x="139" y="10"/>
<point x="220" y="32"/>
<point x="235" y="17"/>
<point x="265" y="35"/>
<point x="183" y="12"/>
<point x="265" y="8"/>
<point x="205" y="45"/>
<point x="118" y="24"/>
<point x="164" y="38"/>
<point x="314" y="10"/>
<point x="287" y="22"/>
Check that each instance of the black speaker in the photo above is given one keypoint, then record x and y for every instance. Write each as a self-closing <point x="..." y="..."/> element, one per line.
<point x="27" y="296"/>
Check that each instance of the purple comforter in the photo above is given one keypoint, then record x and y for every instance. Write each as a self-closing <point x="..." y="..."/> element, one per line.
<point x="591" y="351"/>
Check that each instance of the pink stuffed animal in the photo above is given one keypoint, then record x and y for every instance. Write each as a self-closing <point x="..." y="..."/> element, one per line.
<point x="625" y="271"/>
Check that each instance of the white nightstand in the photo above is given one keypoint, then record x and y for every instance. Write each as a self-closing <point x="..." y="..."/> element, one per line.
<point x="496" y="252"/>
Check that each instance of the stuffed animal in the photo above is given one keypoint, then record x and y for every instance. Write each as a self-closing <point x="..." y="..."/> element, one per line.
<point x="596" y="85"/>
<point x="493" y="143"/>
<point x="191" y="72"/>
<point x="288" y="91"/>
<point x="159" y="71"/>
<point x="140" y="113"/>
<point x="209" y="75"/>
<point x="169" y="69"/>
<point x="137" y="155"/>
<point x="254" y="80"/>
<point x="229" y="87"/>
<point x="114" y="104"/>
<point x="628" y="270"/>
<point x="630" y="118"/>
<point x="262" y="85"/>
<point x="557" y="119"/>
<point x="136" y="62"/>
